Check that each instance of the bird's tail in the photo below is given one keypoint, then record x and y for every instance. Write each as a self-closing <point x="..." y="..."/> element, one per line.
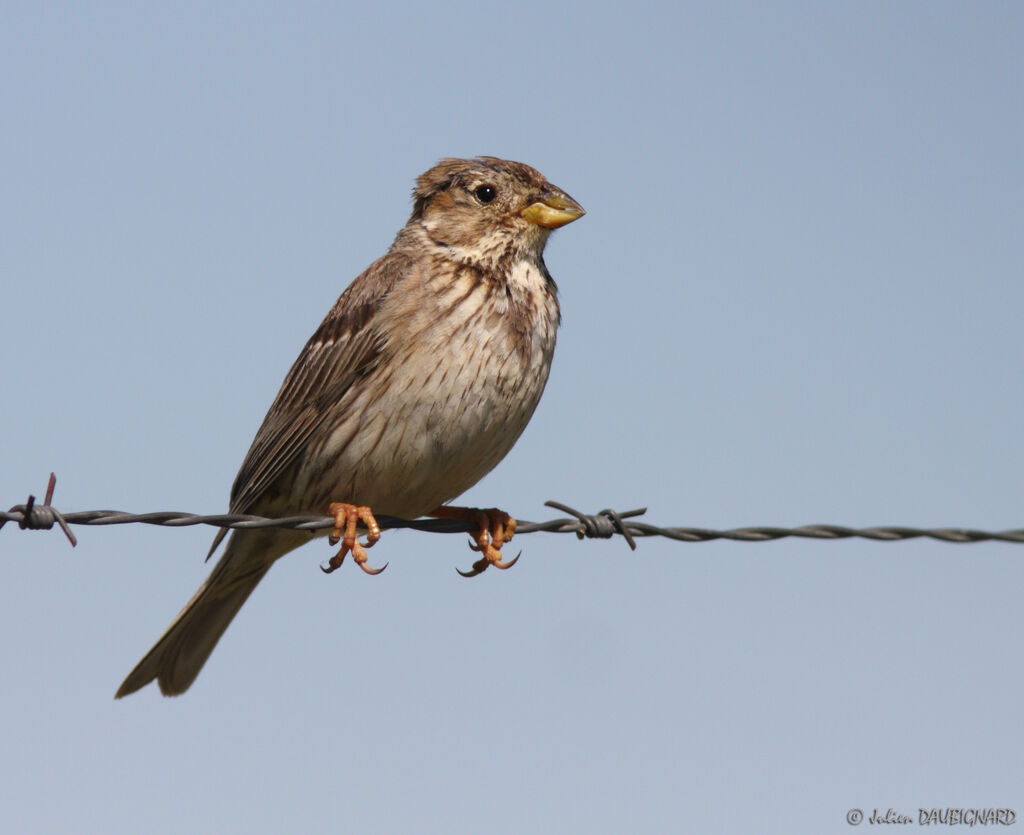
<point x="176" y="659"/>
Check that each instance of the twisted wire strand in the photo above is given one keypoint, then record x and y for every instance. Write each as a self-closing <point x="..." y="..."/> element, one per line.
<point x="603" y="525"/>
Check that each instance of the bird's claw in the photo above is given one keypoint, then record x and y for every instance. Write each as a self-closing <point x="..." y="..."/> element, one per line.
<point x="480" y="565"/>
<point x="495" y="528"/>
<point x="346" y="518"/>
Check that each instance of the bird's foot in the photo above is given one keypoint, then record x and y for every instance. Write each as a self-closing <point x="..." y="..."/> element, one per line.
<point x="494" y="529"/>
<point x="346" y="518"/>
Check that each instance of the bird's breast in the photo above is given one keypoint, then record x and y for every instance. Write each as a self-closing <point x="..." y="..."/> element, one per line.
<point x="465" y="363"/>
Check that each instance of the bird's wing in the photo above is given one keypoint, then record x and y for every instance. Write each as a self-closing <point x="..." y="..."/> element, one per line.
<point x="345" y="346"/>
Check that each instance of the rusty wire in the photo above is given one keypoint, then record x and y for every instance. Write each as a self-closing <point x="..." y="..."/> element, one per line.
<point x="603" y="525"/>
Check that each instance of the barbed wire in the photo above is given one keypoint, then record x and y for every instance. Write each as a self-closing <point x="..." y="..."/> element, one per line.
<point x="604" y="524"/>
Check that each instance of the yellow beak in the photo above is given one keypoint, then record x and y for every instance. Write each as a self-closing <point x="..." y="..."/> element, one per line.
<point x="554" y="208"/>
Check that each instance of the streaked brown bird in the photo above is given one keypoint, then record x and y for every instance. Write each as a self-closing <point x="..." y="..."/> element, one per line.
<point x="419" y="381"/>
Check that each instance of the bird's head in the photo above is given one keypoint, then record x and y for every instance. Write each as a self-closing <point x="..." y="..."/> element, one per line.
<point x="486" y="208"/>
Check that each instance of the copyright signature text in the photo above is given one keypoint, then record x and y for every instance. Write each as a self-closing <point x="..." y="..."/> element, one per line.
<point x="938" y="817"/>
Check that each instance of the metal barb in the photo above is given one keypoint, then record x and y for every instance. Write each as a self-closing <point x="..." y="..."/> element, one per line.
<point x="29" y="516"/>
<point x="603" y="525"/>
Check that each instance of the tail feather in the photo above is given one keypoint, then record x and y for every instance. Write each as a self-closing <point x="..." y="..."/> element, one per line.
<point x="176" y="659"/>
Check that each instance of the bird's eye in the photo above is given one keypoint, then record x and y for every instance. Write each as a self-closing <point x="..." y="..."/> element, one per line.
<point x="485" y="194"/>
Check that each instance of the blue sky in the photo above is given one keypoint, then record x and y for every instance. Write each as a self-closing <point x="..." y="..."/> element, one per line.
<point x="795" y="298"/>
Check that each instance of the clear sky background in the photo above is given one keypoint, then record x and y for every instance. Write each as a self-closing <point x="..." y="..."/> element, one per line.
<point x="796" y="298"/>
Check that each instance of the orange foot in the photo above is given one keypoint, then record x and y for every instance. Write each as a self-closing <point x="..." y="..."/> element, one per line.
<point x="346" y="517"/>
<point x="495" y="529"/>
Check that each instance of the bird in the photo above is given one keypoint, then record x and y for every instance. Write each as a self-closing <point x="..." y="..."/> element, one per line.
<point x="416" y="384"/>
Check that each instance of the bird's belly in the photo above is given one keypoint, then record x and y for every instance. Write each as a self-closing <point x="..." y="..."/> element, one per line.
<point x="425" y="427"/>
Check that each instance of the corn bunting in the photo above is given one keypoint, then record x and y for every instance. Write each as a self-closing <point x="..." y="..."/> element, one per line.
<point x="416" y="384"/>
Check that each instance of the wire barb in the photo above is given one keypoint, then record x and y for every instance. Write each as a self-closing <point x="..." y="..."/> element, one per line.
<point x="602" y="525"/>
<point x="39" y="517"/>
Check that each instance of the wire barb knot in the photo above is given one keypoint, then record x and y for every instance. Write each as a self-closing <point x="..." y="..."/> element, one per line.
<point x="603" y="525"/>
<point x="41" y="517"/>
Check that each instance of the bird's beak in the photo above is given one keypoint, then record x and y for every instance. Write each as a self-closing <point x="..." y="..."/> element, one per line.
<point x="552" y="209"/>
